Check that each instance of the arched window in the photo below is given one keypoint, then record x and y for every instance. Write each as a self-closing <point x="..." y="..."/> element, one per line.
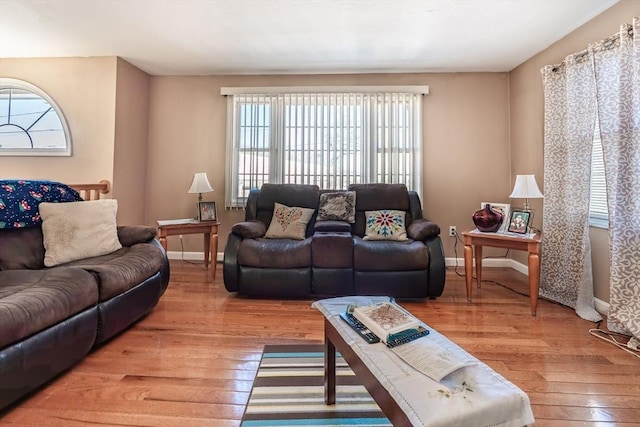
<point x="31" y="123"/>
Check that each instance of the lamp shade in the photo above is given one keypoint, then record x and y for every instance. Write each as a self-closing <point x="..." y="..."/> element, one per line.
<point x="200" y="183"/>
<point x="526" y="188"/>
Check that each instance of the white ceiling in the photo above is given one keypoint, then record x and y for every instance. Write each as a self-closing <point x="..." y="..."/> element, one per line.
<point x="203" y="37"/>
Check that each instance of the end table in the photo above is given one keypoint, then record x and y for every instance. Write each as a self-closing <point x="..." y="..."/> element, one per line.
<point x="500" y="240"/>
<point x="185" y="226"/>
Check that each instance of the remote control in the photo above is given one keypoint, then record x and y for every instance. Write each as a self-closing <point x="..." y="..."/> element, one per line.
<point x="362" y="330"/>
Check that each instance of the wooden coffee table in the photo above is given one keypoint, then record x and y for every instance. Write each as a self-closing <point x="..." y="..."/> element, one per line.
<point x="472" y="397"/>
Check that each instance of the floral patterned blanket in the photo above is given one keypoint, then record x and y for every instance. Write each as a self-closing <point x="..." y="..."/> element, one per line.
<point x="19" y="200"/>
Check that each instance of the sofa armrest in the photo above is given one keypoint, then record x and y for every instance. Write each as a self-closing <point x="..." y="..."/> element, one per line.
<point x="332" y="226"/>
<point x="422" y="229"/>
<point x="252" y="229"/>
<point x="129" y="235"/>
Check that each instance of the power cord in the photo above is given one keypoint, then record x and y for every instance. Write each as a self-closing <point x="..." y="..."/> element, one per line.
<point x="455" y="252"/>
<point x="632" y="346"/>
<point x="182" y="254"/>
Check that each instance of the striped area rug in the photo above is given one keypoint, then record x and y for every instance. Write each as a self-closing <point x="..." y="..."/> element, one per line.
<point x="289" y="391"/>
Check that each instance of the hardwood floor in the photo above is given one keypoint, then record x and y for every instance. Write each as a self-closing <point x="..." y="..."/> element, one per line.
<point x="191" y="362"/>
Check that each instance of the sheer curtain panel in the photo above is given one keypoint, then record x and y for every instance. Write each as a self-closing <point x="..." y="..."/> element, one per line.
<point x="569" y="120"/>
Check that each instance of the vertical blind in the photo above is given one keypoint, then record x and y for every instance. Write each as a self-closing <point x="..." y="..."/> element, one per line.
<point x="598" y="211"/>
<point x="328" y="139"/>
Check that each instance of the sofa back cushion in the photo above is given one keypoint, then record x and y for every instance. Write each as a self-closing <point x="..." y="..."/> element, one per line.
<point x="298" y="195"/>
<point x="375" y="197"/>
<point x="21" y="248"/>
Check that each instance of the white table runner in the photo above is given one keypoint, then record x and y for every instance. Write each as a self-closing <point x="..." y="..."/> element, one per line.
<point x="475" y="396"/>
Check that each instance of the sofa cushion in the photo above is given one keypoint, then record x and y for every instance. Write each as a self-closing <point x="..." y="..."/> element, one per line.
<point x="383" y="255"/>
<point x="337" y="206"/>
<point x="33" y="300"/>
<point x="77" y="230"/>
<point x="21" y="248"/>
<point x="304" y="196"/>
<point x="385" y="225"/>
<point x="123" y="269"/>
<point x="288" y="222"/>
<point x="373" y="197"/>
<point x="275" y="253"/>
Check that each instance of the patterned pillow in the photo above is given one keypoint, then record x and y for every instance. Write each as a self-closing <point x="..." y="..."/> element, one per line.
<point x="339" y="206"/>
<point x="385" y="225"/>
<point x="288" y="223"/>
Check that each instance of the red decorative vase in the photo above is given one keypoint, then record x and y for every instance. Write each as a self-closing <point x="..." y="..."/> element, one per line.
<point x="487" y="219"/>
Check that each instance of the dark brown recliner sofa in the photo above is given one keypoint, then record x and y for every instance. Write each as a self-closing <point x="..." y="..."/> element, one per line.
<point x="334" y="259"/>
<point x="51" y="318"/>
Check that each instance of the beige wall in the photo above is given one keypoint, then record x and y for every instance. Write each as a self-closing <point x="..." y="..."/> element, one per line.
<point x="85" y="91"/>
<point x="466" y="145"/>
<point x="527" y="117"/>
<point x="130" y="144"/>
<point x="105" y="101"/>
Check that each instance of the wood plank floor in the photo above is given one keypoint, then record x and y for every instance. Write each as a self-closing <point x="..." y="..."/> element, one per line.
<point x="191" y="362"/>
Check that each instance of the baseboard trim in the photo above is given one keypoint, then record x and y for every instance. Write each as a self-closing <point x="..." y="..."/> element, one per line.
<point x="192" y="256"/>
<point x="491" y="262"/>
<point x="601" y="307"/>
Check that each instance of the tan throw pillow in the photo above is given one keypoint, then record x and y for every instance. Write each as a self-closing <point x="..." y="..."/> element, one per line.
<point x="385" y="225"/>
<point x="77" y="230"/>
<point x="288" y="223"/>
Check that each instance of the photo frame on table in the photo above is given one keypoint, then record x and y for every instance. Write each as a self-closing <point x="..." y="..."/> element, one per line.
<point x="207" y="211"/>
<point x="519" y="221"/>
<point x="503" y="208"/>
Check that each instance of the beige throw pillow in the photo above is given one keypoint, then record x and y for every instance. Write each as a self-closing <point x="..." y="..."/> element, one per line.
<point x="77" y="230"/>
<point x="385" y="225"/>
<point x="288" y="223"/>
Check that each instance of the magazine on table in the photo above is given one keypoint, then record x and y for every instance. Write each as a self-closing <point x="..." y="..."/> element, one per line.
<point x="408" y="339"/>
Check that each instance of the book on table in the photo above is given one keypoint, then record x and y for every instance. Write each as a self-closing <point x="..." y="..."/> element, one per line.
<point x="404" y="334"/>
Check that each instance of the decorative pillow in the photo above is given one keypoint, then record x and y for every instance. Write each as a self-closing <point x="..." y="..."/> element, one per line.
<point x="385" y="225"/>
<point x="78" y="230"/>
<point x="339" y="206"/>
<point x="288" y="223"/>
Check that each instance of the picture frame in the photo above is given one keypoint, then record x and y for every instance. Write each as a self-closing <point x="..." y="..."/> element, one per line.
<point x="207" y="211"/>
<point x="519" y="221"/>
<point x="504" y="208"/>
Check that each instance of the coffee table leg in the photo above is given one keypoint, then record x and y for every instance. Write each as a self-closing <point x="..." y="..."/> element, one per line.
<point x="329" y="370"/>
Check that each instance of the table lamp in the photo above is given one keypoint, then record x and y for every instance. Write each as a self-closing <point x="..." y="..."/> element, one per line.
<point x="200" y="185"/>
<point x="526" y="188"/>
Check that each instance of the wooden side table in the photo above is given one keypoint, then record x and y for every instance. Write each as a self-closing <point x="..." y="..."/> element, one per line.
<point x="180" y="227"/>
<point x="505" y="241"/>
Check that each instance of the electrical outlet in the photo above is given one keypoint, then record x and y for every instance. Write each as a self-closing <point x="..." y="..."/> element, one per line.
<point x="453" y="231"/>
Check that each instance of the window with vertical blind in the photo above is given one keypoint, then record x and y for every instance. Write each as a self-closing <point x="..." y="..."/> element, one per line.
<point x="329" y="138"/>
<point x="598" y="211"/>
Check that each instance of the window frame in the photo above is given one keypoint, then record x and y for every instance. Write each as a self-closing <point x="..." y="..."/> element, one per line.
<point x="280" y="133"/>
<point x="10" y="83"/>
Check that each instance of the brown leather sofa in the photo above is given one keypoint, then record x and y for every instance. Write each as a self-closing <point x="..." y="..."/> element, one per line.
<point x="52" y="317"/>
<point x="333" y="258"/>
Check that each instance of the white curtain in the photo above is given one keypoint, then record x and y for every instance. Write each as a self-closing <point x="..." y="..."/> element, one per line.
<point x="570" y="110"/>
<point x="617" y="71"/>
